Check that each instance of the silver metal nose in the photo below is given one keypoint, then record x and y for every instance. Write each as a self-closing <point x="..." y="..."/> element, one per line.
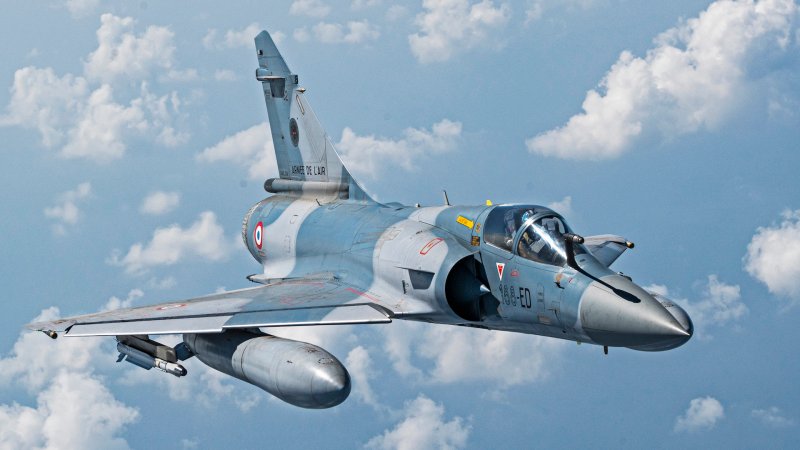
<point x="331" y="386"/>
<point x="619" y="313"/>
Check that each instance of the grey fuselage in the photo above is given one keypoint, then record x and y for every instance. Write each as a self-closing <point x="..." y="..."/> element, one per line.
<point x="433" y="264"/>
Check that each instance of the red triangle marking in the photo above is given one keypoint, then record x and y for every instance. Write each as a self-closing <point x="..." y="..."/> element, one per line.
<point x="500" y="267"/>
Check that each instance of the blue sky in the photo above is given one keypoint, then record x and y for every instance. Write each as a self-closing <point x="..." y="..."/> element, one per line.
<point x="133" y="142"/>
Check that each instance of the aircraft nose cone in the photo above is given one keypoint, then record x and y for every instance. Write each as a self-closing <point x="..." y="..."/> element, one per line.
<point x="621" y="314"/>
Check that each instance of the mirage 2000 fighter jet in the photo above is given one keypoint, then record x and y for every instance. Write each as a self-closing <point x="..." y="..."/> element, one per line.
<point x="330" y="255"/>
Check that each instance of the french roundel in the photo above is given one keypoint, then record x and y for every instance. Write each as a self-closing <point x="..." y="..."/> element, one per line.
<point x="257" y="234"/>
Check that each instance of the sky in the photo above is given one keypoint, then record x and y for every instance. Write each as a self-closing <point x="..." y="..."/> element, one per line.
<point x="133" y="141"/>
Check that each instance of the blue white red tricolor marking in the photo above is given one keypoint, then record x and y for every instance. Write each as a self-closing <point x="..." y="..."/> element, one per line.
<point x="258" y="234"/>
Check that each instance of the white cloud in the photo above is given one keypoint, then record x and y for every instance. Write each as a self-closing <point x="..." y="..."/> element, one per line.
<point x="160" y="202"/>
<point x="773" y="256"/>
<point x="354" y="32"/>
<point x="42" y="100"/>
<point x="692" y="79"/>
<point x="251" y="148"/>
<point x="162" y="283"/>
<point x="80" y="115"/>
<point x="359" y="364"/>
<point x="35" y="360"/>
<point x="225" y="75"/>
<point x="66" y="212"/>
<point x="311" y="8"/>
<point x="237" y="38"/>
<point x="190" y="443"/>
<point x="434" y="354"/>
<point x="205" y="239"/>
<point x="449" y="26"/>
<point x="396" y="12"/>
<point x="121" y="53"/>
<point x="719" y="304"/>
<point x="772" y="417"/>
<point x="424" y="427"/>
<point x="115" y="302"/>
<point x="365" y="155"/>
<point x="454" y="354"/>
<point x="703" y="413"/>
<point x="301" y="34"/>
<point x="161" y="112"/>
<point x="461" y="354"/>
<point x="97" y="134"/>
<point x="81" y="8"/>
<point x="74" y="409"/>
<point x="563" y="206"/>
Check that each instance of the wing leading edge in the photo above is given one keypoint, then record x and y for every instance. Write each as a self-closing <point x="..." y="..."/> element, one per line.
<point x="294" y="302"/>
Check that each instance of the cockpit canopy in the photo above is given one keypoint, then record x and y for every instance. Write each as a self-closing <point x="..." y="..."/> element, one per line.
<point x="535" y="232"/>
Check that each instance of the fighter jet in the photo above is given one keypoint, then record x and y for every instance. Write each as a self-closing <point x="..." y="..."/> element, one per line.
<point x="330" y="255"/>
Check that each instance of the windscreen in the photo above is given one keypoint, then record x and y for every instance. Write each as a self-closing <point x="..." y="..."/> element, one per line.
<point x="503" y="223"/>
<point x="543" y="241"/>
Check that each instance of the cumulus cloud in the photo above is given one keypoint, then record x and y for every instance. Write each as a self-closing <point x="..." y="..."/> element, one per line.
<point x="353" y="32"/>
<point x="244" y="37"/>
<point x="447" y="354"/>
<point x="251" y="148"/>
<point x="563" y="206"/>
<point x="359" y="364"/>
<point x="74" y="411"/>
<point x="121" y="53"/>
<point x="35" y="361"/>
<point x="81" y="8"/>
<point x="364" y="155"/>
<point x="160" y="202"/>
<point x="719" y="304"/>
<point x="66" y="212"/>
<point x="80" y="113"/>
<point x="311" y="8"/>
<point x="772" y="417"/>
<point x="225" y="75"/>
<point x="447" y="27"/>
<point x="205" y="239"/>
<point x="97" y="134"/>
<point x="433" y="354"/>
<point x="773" y="256"/>
<point x="118" y="303"/>
<point x="703" y="413"/>
<point x="424" y="427"/>
<point x="74" y="408"/>
<point x="40" y="99"/>
<point x="396" y="12"/>
<point x="692" y="79"/>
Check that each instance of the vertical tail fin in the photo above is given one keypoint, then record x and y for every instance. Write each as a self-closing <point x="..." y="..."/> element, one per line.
<point x="305" y="154"/>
